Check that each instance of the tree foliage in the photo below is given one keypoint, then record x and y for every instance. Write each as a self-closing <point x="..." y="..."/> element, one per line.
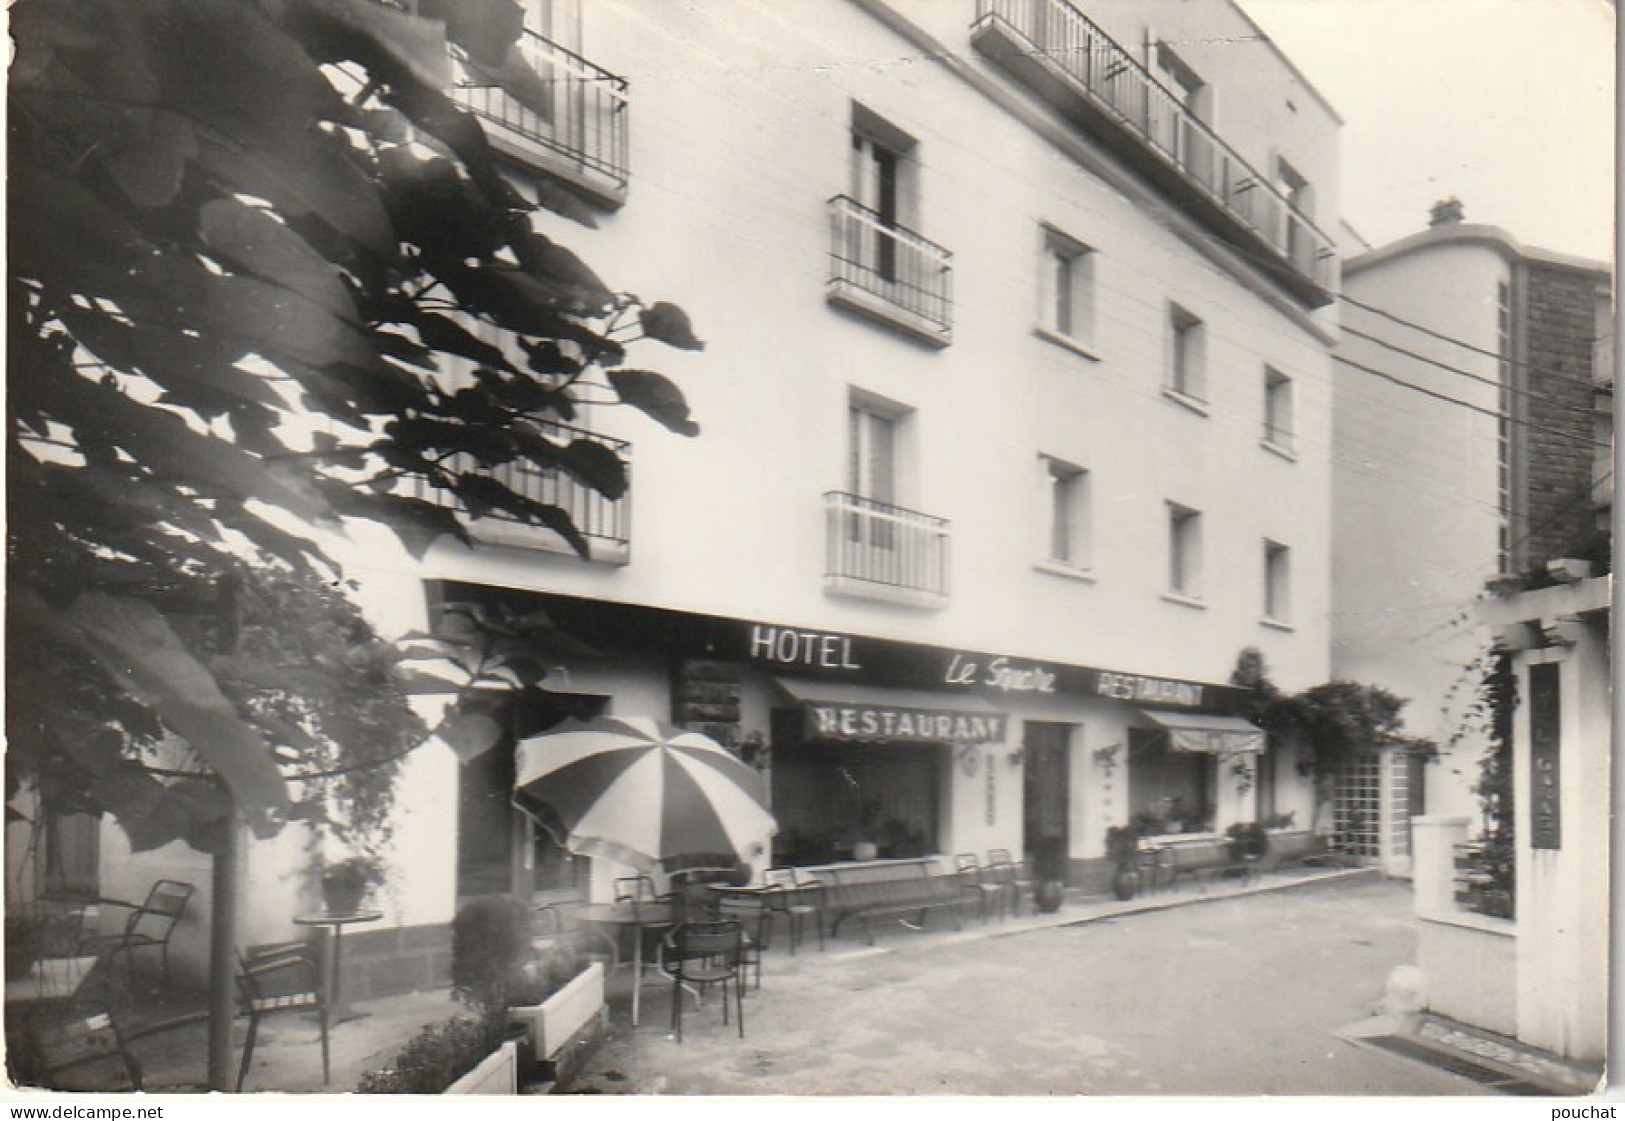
<point x="265" y="274"/>
<point x="1337" y="720"/>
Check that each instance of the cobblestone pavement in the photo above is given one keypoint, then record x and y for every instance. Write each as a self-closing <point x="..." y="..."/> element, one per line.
<point x="1234" y="996"/>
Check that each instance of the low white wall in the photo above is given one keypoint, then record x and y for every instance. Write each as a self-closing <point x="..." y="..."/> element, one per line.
<point x="1469" y="968"/>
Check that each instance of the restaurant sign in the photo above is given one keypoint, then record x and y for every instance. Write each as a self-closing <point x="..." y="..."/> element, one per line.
<point x="863" y="722"/>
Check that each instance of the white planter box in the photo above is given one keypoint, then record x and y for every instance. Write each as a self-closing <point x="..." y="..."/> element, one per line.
<point x="556" y="1020"/>
<point x="497" y="1073"/>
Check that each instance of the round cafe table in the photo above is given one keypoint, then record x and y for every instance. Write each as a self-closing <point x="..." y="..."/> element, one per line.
<point x="332" y="946"/>
<point x="636" y="917"/>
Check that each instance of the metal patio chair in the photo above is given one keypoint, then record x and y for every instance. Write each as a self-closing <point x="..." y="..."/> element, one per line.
<point x="285" y="977"/>
<point x="702" y="954"/>
<point x="150" y="923"/>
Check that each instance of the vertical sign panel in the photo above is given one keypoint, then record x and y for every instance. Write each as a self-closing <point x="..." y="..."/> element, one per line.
<point x="1545" y="736"/>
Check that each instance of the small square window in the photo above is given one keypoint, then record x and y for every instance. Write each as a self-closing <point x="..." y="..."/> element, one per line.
<point x="1184" y="551"/>
<point x="1187" y="354"/>
<point x="1069" y="531"/>
<point x="1278" y="423"/>
<point x="1067" y="283"/>
<point x="1277" y="582"/>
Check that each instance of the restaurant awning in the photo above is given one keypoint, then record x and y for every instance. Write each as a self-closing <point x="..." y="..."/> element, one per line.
<point x="839" y="710"/>
<point x="1209" y="735"/>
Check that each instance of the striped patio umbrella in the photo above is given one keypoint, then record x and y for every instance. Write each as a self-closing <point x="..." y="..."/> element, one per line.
<point x="640" y="792"/>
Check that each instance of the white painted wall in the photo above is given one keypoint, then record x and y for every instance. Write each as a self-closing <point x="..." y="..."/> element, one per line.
<point x="1415" y="495"/>
<point x="735" y="152"/>
<point x="740" y="134"/>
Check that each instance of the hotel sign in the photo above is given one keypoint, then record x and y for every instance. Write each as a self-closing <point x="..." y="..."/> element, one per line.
<point x="881" y="662"/>
<point x="1545" y="738"/>
<point x="865" y="722"/>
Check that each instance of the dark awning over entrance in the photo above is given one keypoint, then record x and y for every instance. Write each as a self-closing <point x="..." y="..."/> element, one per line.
<point x="837" y="710"/>
<point x="1208" y="735"/>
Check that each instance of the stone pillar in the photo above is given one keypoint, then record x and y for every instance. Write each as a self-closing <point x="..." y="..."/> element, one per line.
<point x="1433" y="841"/>
<point x="1563" y="892"/>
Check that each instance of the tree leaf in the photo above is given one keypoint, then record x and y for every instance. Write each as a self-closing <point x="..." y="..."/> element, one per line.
<point x="486" y="29"/>
<point x="553" y="264"/>
<point x="370" y="32"/>
<point x="444" y="333"/>
<point x="252" y="239"/>
<point x="469" y="734"/>
<point x="656" y="395"/>
<point x="669" y="324"/>
<point x="139" y="650"/>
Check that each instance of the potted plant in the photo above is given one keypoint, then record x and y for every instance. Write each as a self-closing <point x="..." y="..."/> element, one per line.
<point x="1248" y="842"/>
<point x="1123" y="849"/>
<point x="347" y="881"/>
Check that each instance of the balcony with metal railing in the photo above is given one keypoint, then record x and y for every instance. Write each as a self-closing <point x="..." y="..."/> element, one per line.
<point x="887" y="272"/>
<point x="1060" y="54"/>
<point x="574" y="128"/>
<point x="606" y="523"/>
<point x="878" y="551"/>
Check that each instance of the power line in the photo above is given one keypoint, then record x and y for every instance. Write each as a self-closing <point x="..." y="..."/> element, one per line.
<point x="1403" y="322"/>
<point x="1494" y="383"/>
<point x="1495" y="413"/>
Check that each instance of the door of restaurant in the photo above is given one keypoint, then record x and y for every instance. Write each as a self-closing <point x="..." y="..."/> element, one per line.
<point x="1045" y="788"/>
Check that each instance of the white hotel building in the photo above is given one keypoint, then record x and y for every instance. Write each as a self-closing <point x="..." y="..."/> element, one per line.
<point x="1016" y="431"/>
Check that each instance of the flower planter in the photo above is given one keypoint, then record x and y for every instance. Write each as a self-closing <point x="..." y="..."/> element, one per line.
<point x="497" y="1073"/>
<point x="557" y="1020"/>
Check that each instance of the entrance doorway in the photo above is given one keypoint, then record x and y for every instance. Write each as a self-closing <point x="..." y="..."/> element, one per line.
<point x="1046" y="783"/>
<point x="501" y="850"/>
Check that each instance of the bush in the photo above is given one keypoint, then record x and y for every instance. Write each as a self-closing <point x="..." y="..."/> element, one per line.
<point x="1247" y="839"/>
<point x="489" y="944"/>
<point x="1123" y="842"/>
<point x="436" y="1057"/>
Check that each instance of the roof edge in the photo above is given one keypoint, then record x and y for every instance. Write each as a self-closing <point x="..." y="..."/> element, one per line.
<point x="1470" y="233"/>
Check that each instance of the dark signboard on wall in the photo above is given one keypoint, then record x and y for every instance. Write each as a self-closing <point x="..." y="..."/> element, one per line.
<point x="835" y="655"/>
<point x="1545" y="738"/>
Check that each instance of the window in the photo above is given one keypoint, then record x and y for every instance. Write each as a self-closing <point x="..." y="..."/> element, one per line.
<point x="1277" y="582"/>
<point x="1293" y="187"/>
<point x="1068" y="286"/>
<point x="1068" y="488"/>
<point x="1188" y="354"/>
<point x="871" y="471"/>
<point x="1184" y="551"/>
<point x="871" y="452"/>
<point x="1185" y="84"/>
<point x="1277" y="410"/>
<point x="883" y="181"/>
<point x="1300" y="242"/>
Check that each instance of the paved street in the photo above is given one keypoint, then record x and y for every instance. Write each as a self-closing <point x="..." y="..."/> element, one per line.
<point x="1230" y="997"/>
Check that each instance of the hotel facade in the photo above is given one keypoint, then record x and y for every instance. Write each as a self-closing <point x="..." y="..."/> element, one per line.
<point x="1016" y="432"/>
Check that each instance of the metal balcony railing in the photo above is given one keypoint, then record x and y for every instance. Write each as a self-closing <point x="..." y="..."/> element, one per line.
<point x="903" y="270"/>
<point x="886" y="546"/>
<point x="580" y="128"/>
<point x="1059" y="52"/>
<point x="602" y="521"/>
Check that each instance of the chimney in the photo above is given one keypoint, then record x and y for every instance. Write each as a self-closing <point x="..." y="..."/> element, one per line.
<point x="1445" y="212"/>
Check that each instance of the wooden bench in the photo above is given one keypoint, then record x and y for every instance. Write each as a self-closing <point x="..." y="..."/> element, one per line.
<point x="864" y="890"/>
